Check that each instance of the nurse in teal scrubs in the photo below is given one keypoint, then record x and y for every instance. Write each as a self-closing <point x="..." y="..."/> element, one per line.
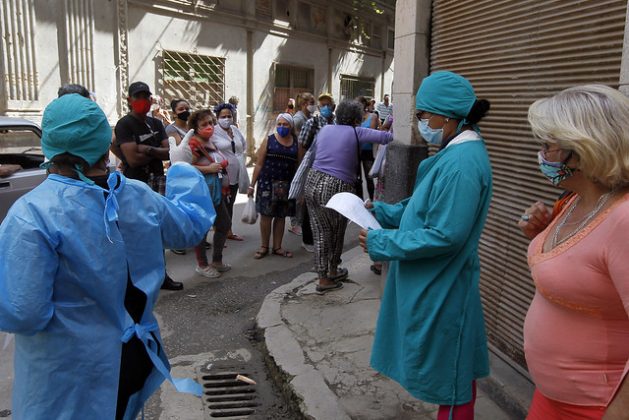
<point x="430" y="335"/>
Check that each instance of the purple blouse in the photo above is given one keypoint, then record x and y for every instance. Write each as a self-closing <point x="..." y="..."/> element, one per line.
<point x="337" y="151"/>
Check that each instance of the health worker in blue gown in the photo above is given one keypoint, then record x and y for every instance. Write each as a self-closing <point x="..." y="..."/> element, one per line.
<point x="430" y="335"/>
<point x="82" y="265"/>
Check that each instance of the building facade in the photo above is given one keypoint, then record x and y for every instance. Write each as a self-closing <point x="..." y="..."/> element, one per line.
<point x="262" y="51"/>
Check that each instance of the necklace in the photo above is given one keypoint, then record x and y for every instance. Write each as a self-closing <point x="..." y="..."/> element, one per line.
<point x="603" y="199"/>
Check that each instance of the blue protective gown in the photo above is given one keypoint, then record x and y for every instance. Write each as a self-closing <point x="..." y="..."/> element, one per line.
<point x="430" y="335"/>
<point x="66" y="258"/>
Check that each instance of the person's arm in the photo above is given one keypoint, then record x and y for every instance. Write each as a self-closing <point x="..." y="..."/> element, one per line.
<point x="455" y="204"/>
<point x="259" y="164"/>
<point x="27" y="273"/>
<point x="374" y="123"/>
<point x="307" y="133"/>
<point x="114" y="147"/>
<point x="535" y="220"/>
<point x="367" y="135"/>
<point x="617" y="261"/>
<point x="186" y="211"/>
<point x="389" y="215"/>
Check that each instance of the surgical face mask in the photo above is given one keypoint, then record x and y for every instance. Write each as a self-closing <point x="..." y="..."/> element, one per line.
<point x="311" y="108"/>
<point x="183" y="115"/>
<point x="431" y="135"/>
<point x="206" y="132"/>
<point x="140" y="106"/>
<point x="283" y="131"/>
<point x="556" y="172"/>
<point x="326" y="111"/>
<point x="225" y="122"/>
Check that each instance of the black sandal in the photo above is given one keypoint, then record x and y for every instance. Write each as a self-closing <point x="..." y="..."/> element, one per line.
<point x="341" y="274"/>
<point x="261" y="253"/>
<point x="321" y="290"/>
<point x="282" y="253"/>
<point x="377" y="270"/>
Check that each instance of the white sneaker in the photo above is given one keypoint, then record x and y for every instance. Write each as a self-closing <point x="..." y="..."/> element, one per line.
<point x="308" y="248"/>
<point x="209" y="272"/>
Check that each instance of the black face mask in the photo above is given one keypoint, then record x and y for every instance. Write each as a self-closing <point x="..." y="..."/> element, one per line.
<point x="184" y="115"/>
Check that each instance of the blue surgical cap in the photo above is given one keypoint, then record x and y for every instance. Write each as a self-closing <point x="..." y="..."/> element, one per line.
<point x="74" y="124"/>
<point x="446" y="93"/>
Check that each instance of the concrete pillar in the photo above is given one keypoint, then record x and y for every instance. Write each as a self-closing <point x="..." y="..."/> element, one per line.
<point x="250" y="105"/>
<point x="412" y="60"/>
<point x="624" y="63"/>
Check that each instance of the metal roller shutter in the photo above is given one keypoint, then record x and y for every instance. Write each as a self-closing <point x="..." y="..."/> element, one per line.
<point x="515" y="52"/>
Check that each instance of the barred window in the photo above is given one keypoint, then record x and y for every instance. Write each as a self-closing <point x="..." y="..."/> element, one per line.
<point x="289" y="81"/>
<point x="199" y="79"/>
<point x="352" y="86"/>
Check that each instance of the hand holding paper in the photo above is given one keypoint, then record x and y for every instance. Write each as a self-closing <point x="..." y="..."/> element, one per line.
<point x="352" y="207"/>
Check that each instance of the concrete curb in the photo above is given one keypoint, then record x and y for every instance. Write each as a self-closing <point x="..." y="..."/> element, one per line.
<point x="303" y="383"/>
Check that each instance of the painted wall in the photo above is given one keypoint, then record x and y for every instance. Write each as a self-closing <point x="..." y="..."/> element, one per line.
<point x="151" y="31"/>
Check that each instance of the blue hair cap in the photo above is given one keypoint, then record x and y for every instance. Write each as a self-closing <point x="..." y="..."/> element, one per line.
<point x="74" y="124"/>
<point x="446" y="93"/>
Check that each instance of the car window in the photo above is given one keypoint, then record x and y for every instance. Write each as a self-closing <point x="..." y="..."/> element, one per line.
<point x="19" y="141"/>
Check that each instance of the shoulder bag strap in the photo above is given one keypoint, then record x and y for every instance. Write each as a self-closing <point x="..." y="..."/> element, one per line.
<point x="358" y="171"/>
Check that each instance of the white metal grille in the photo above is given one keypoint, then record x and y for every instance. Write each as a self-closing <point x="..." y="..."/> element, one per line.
<point x="18" y="69"/>
<point x="199" y="79"/>
<point x="351" y="87"/>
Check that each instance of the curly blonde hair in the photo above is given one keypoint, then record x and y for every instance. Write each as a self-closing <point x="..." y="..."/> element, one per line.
<point x="592" y="121"/>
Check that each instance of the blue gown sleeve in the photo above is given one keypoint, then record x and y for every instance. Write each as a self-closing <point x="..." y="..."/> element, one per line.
<point x="187" y="212"/>
<point x="454" y="209"/>
<point x="27" y="273"/>
<point x="389" y="215"/>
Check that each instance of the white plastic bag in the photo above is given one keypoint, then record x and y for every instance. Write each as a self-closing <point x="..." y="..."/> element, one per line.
<point x="249" y="214"/>
<point x="243" y="176"/>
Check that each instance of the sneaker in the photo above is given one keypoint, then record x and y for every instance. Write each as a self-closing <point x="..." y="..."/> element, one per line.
<point x="209" y="272"/>
<point x="308" y="248"/>
<point x="296" y="229"/>
<point x="178" y="251"/>
<point x="222" y="268"/>
<point x="207" y="245"/>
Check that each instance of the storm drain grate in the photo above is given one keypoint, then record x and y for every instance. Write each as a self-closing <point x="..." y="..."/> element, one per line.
<point x="227" y="397"/>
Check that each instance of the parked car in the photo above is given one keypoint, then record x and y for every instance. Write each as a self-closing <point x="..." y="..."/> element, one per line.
<point x="20" y="144"/>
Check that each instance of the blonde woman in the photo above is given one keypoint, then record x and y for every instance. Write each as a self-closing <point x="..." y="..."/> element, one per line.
<point x="576" y="333"/>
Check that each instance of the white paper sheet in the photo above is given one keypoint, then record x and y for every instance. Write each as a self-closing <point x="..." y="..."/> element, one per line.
<point x="352" y="207"/>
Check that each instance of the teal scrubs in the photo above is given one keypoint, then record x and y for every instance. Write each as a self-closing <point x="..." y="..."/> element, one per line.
<point x="67" y="253"/>
<point x="430" y="335"/>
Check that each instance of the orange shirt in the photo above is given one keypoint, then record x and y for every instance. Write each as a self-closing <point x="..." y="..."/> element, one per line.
<point x="576" y="332"/>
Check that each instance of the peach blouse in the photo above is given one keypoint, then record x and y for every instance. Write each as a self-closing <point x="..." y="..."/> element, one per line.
<point x="576" y="332"/>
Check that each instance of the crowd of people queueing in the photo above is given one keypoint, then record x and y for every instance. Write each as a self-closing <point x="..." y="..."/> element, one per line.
<point x="84" y="250"/>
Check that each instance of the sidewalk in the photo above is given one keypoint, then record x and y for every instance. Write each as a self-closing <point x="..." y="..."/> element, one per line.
<point x="322" y="345"/>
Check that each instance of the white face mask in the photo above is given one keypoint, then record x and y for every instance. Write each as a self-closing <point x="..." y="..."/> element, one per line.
<point x="225" y="123"/>
<point x="311" y="108"/>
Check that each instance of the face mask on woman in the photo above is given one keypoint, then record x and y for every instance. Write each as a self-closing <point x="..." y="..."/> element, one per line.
<point x="311" y="108"/>
<point x="556" y="172"/>
<point x="225" y="122"/>
<point x="283" y="131"/>
<point x="206" y="132"/>
<point x="431" y="135"/>
<point x="183" y="115"/>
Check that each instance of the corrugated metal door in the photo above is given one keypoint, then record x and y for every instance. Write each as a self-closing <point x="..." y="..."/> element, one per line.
<point x="515" y="52"/>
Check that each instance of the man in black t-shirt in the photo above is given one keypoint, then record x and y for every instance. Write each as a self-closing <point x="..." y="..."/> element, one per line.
<point x="144" y="146"/>
<point x="142" y="139"/>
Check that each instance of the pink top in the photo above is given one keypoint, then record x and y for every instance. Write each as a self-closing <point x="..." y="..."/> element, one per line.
<point x="576" y="332"/>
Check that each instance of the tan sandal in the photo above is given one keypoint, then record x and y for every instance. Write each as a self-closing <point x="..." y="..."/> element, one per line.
<point x="261" y="253"/>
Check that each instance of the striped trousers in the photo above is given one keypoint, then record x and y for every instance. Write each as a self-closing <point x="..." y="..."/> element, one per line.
<point x="328" y="226"/>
